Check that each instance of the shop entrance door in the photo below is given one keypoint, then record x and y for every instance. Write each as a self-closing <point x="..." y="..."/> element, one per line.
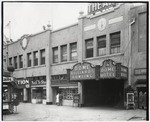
<point x="108" y="92"/>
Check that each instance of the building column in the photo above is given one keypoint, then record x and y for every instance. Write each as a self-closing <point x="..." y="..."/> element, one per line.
<point x="49" y="94"/>
<point x="81" y="51"/>
<point x="25" y="95"/>
<point x="80" y="91"/>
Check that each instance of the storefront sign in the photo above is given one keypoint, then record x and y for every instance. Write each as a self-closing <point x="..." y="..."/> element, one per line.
<point x="82" y="71"/>
<point x="100" y="7"/>
<point x="108" y="69"/>
<point x="38" y="82"/>
<point x="140" y="71"/>
<point x="24" y="83"/>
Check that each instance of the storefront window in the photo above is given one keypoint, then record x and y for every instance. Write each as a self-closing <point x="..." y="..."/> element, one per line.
<point x="68" y="93"/>
<point x="29" y="59"/>
<point x="64" y="53"/>
<point x="115" y="43"/>
<point x="73" y="51"/>
<point x="55" y="55"/>
<point x="101" y="45"/>
<point x="21" y="61"/>
<point x="89" y="48"/>
<point x="42" y="52"/>
<point x="15" y="62"/>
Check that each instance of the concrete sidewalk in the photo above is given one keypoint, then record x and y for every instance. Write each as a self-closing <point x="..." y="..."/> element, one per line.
<point x="40" y="112"/>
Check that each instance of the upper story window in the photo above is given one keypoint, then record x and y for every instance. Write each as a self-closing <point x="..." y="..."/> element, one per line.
<point x="35" y="56"/>
<point x="142" y="32"/>
<point x="55" y="55"/>
<point x="42" y="52"/>
<point x="89" y="48"/>
<point x="115" y="43"/>
<point x="21" y="61"/>
<point x="15" y="62"/>
<point x="29" y="59"/>
<point x="101" y="45"/>
<point x="63" y="53"/>
<point x="73" y="51"/>
<point x="10" y="61"/>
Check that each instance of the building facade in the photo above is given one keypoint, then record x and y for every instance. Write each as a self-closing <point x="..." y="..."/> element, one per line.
<point x="138" y="16"/>
<point x="93" y="58"/>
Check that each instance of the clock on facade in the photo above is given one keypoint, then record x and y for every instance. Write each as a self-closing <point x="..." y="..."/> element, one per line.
<point x="101" y="24"/>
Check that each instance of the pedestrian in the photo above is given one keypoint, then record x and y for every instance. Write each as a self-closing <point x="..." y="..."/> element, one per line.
<point x="57" y="99"/>
<point x="140" y="99"/>
<point x="144" y="101"/>
<point x="60" y="99"/>
<point x="136" y="99"/>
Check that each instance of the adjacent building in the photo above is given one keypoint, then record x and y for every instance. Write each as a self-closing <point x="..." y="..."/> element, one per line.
<point x="97" y="57"/>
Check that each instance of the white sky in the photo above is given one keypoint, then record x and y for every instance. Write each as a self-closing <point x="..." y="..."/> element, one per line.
<point x="29" y="18"/>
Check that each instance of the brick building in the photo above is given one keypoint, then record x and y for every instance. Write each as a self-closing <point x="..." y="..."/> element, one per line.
<point x="92" y="58"/>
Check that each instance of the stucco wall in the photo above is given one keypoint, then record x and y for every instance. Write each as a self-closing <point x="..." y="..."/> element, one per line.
<point x="35" y="43"/>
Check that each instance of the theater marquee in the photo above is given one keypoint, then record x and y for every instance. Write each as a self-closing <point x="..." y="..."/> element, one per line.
<point x="82" y="71"/>
<point x="108" y="69"/>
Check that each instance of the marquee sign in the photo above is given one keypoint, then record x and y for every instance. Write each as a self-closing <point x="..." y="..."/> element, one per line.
<point x="94" y="8"/>
<point x="82" y="71"/>
<point x="108" y="69"/>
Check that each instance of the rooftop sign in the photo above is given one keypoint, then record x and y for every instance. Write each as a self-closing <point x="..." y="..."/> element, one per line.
<point x="94" y="8"/>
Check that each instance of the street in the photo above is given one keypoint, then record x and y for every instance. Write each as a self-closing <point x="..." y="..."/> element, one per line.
<point x="40" y="112"/>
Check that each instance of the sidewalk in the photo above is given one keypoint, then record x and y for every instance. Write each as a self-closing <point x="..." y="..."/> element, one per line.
<point x="40" y="112"/>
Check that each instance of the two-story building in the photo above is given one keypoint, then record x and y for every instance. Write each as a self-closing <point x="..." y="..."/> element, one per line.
<point x="94" y="57"/>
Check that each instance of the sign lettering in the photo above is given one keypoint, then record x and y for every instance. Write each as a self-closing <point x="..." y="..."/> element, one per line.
<point x="100" y="7"/>
<point x="140" y="71"/>
<point x="82" y="72"/>
<point x="38" y="82"/>
<point x="108" y="70"/>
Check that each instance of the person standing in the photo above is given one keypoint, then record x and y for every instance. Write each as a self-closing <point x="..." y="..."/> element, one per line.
<point x="57" y="99"/>
<point x="60" y="99"/>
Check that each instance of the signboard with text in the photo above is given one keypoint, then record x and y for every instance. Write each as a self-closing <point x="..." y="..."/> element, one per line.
<point x="108" y="69"/>
<point x="94" y="8"/>
<point x="82" y="71"/>
<point x="23" y="83"/>
<point x="38" y="82"/>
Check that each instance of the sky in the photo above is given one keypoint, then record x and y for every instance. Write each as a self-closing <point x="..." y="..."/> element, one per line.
<point x="30" y="17"/>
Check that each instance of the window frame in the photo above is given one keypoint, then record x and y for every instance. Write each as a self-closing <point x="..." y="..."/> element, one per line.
<point x="54" y="59"/>
<point x="73" y="51"/>
<point x="42" y="58"/>
<point x="89" y="48"/>
<point x="115" y="48"/>
<point x="35" y="60"/>
<point x="29" y="61"/>
<point x="63" y="54"/>
<point x="10" y="61"/>
<point x="15" y="62"/>
<point x="101" y="39"/>
<point x="20" y="62"/>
